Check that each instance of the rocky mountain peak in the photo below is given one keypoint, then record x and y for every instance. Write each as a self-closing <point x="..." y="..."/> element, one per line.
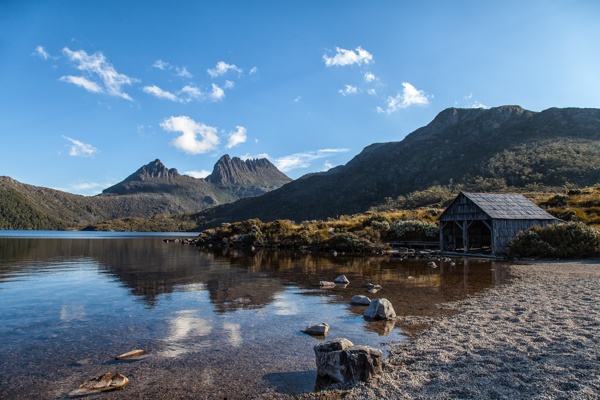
<point x="156" y="169"/>
<point x="255" y="172"/>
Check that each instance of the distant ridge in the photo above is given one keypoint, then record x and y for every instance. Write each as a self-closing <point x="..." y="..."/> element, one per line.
<point x="491" y="149"/>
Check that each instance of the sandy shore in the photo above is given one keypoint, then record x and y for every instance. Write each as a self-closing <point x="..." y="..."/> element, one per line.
<point x="536" y="338"/>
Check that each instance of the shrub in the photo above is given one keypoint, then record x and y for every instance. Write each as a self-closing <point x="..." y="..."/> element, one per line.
<point x="567" y="240"/>
<point x="415" y="230"/>
<point x="349" y="242"/>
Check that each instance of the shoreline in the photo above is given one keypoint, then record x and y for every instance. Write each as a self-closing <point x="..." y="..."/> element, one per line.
<point x="536" y="337"/>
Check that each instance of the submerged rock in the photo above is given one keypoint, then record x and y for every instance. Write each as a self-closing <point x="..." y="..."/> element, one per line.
<point x="380" y="309"/>
<point x="321" y="329"/>
<point x="326" y="284"/>
<point x="131" y="354"/>
<point x="105" y="383"/>
<point x="342" y="361"/>
<point x="360" y="299"/>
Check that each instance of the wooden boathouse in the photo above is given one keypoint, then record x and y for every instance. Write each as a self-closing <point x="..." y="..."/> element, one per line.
<point x="486" y="222"/>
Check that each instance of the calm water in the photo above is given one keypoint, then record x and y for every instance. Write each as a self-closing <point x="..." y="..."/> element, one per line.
<point x="215" y="325"/>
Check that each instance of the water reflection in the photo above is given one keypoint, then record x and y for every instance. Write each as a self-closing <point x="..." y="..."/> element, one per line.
<point x="201" y="315"/>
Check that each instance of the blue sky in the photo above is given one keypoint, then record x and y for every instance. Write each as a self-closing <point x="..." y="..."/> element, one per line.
<point x="92" y="90"/>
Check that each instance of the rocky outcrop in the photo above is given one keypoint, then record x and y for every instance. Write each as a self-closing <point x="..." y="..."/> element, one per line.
<point x="342" y="361"/>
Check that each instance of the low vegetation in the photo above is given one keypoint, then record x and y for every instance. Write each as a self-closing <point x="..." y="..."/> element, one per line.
<point x="566" y="240"/>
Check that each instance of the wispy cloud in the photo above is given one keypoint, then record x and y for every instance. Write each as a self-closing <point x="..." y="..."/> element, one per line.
<point x="41" y="52"/>
<point x="473" y="103"/>
<point x="97" y="67"/>
<point x="222" y="68"/>
<point x="158" y="92"/>
<point x="253" y="70"/>
<point x="297" y="160"/>
<point x="179" y="71"/>
<point x="370" y="77"/>
<point x="195" y="138"/>
<point x="237" y="137"/>
<point x="185" y="95"/>
<point x="408" y="97"/>
<point x="197" y="174"/>
<point x="82" y="82"/>
<point x="348" y="90"/>
<point x="183" y="72"/>
<point x="80" y="149"/>
<point x="345" y="57"/>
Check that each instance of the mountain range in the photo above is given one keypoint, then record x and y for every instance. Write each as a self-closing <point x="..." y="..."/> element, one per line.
<point x="152" y="190"/>
<point x="497" y="149"/>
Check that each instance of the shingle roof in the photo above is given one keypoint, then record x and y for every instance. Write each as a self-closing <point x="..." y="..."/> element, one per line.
<point x="507" y="206"/>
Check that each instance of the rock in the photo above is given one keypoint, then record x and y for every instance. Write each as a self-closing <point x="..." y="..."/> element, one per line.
<point x="372" y="286"/>
<point x="432" y="264"/>
<point x="345" y="363"/>
<point x="360" y="299"/>
<point x="341" y="279"/>
<point x="326" y="284"/>
<point x="131" y="354"/>
<point x="380" y="309"/>
<point x="105" y="383"/>
<point x="321" y="329"/>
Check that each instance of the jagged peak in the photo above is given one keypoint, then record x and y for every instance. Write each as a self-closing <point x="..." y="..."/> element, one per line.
<point x="228" y="171"/>
<point x="156" y="169"/>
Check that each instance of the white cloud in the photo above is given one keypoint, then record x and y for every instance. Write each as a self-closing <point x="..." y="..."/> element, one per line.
<point x="161" y="94"/>
<point x="217" y="93"/>
<point x="188" y="141"/>
<point x="41" y="52"/>
<point x="345" y="57"/>
<point x="160" y="64"/>
<point x="97" y="66"/>
<point x="348" y="90"/>
<point x="474" y="103"/>
<point x="222" y="68"/>
<point x="182" y="72"/>
<point x="370" y="77"/>
<point x="237" y="137"/>
<point x="298" y="99"/>
<point x="190" y="92"/>
<point x="253" y="70"/>
<point x="409" y="96"/>
<point x="372" y="92"/>
<point x="80" y="149"/>
<point x="197" y="174"/>
<point x="297" y="160"/>
<point x="229" y="84"/>
<point x="82" y="82"/>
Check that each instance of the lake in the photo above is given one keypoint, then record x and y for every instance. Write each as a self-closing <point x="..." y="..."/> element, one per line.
<point x="215" y="324"/>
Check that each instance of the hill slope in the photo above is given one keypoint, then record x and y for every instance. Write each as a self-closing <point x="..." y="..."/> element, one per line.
<point x="505" y="145"/>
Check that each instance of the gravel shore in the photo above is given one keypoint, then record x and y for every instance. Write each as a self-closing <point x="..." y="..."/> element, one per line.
<point x="535" y="338"/>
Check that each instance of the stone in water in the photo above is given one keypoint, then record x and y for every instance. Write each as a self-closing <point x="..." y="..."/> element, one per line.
<point x="105" y="383"/>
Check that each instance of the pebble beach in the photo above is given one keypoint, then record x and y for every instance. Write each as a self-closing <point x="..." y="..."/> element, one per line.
<point x="537" y="337"/>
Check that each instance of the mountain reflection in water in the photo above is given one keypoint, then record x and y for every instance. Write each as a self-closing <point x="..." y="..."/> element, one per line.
<point x="70" y="306"/>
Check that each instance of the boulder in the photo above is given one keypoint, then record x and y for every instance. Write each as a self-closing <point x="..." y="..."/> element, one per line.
<point x="380" y="309"/>
<point x="321" y="329"/>
<point x="342" y="279"/>
<point x="360" y="299"/>
<point x="343" y="362"/>
<point x="326" y="284"/>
